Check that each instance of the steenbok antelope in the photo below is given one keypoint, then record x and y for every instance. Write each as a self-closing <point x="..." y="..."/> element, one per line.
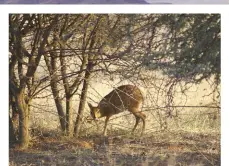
<point x="124" y="97"/>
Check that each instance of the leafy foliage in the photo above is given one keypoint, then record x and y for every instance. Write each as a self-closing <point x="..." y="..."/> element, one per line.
<point x="192" y="47"/>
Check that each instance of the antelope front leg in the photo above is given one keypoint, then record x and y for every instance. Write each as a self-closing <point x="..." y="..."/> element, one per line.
<point x="143" y="126"/>
<point x="137" y="121"/>
<point x="105" y="127"/>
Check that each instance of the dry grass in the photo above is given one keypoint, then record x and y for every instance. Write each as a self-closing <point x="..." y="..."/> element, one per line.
<point x="190" y="144"/>
<point x="189" y="140"/>
<point x="159" y="148"/>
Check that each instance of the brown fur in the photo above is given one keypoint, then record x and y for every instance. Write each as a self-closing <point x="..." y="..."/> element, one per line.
<point x="124" y="97"/>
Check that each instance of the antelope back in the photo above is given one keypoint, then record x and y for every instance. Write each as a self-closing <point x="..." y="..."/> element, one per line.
<point x="122" y="98"/>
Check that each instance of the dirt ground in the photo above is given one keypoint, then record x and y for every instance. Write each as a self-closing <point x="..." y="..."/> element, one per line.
<point x="161" y="148"/>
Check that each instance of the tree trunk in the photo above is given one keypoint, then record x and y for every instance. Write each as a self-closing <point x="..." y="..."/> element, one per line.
<point x="59" y="106"/>
<point x="23" y="120"/>
<point x="13" y="119"/>
<point x="83" y="97"/>
<point x="69" y="113"/>
<point x="64" y="64"/>
<point x="13" y="127"/>
<point x="12" y="136"/>
<point x="52" y="68"/>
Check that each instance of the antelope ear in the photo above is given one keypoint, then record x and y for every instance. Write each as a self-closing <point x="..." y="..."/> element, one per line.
<point x="89" y="104"/>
